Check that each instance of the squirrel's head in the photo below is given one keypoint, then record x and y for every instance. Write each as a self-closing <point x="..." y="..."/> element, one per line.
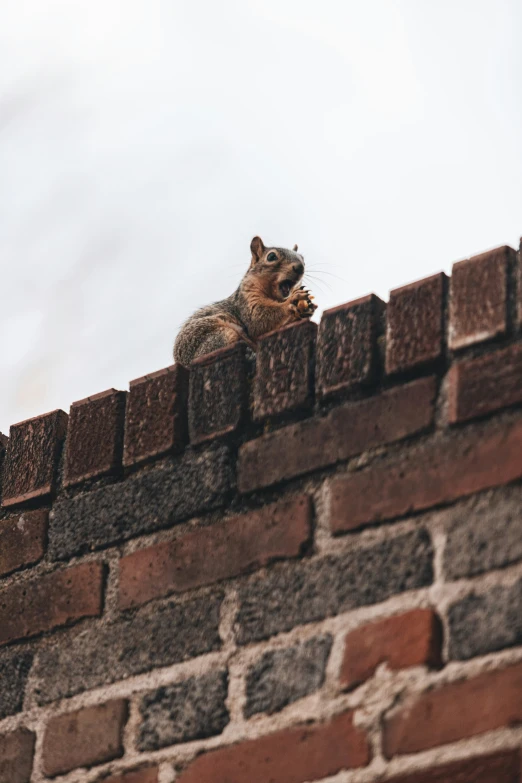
<point x="281" y="269"/>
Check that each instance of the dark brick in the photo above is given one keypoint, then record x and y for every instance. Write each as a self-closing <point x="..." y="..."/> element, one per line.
<point x="414" y="323"/>
<point x="346" y="431"/>
<point x="188" y="710"/>
<point x="156" y="416"/>
<point x="483" y="533"/>
<point x="211" y="554"/>
<point x="281" y="677"/>
<point x="218" y="393"/>
<point x="481" y="624"/>
<point x="15" y="665"/>
<point x="142" y="503"/>
<point x="32" y="457"/>
<point x="478" y="298"/>
<point x="84" y="738"/>
<point x="22" y="540"/>
<point x="94" y="437"/>
<point x="347" y="345"/>
<point x="16" y="756"/>
<point x="479" y="386"/>
<point x="500" y="767"/>
<point x="141" y="775"/>
<point x="310" y="591"/>
<point x="284" y="380"/>
<point x="133" y="644"/>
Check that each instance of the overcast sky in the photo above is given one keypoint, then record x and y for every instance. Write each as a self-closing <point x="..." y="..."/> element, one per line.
<point x="144" y="142"/>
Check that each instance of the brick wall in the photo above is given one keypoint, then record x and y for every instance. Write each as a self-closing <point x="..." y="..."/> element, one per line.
<point x="304" y="570"/>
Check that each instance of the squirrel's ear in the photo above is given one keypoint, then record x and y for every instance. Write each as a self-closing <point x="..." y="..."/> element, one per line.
<point x="257" y="247"/>
<point x="295" y="248"/>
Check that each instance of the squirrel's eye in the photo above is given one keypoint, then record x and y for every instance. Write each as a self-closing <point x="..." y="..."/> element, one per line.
<point x="271" y="257"/>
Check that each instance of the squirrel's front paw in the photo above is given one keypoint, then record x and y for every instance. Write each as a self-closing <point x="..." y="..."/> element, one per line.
<point x="301" y="303"/>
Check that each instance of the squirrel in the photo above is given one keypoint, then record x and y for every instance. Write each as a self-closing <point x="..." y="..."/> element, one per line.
<point x="268" y="297"/>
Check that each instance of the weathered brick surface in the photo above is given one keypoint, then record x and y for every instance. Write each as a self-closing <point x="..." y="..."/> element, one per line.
<point x="188" y="710"/>
<point x="133" y="644"/>
<point x="141" y="775"/>
<point x="481" y="624"/>
<point x="211" y="554"/>
<point x="501" y="767"/>
<point x="15" y="664"/>
<point x="414" y="324"/>
<point x="439" y="472"/>
<point x="84" y="738"/>
<point x="156" y="416"/>
<point x="32" y="457"/>
<point x="479" y="386"/>
<point x="142" y="503"/>
<point x="295" y="755"/>
<point x="284" y="379"/>
<point x="410" y="639"/>
<point x="50" y="601"/>
<point x="346" y="431"/>
<point x="218" y="393"/>
<point x="281" y="677"/>
<point x="347" y="345"/>
<point x="22" y="540"/>
<point x="478" y="298"/>
<point x="94" y="437"/>
<point x="306" y="592"/>
<point x="455" y="711"/>
<point x="16" y="756"/>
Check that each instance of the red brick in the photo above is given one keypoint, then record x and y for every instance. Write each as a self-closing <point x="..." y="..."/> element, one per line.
<point x="500" y="767"/>
<point x="414" y="324"/>
<point x="142" y="775"/>
<point x="478" y="298"/>
<point x="32" y="458"/>
<point x="22" y="540"/>
<point x="478" y="386"/>
<point x="284" y="380"/>
<point x="218" y="393"/>
<point x="293" y="755"/>
<point x="16" y="756"/>
<point x="347" y="345"/>
<point x="47" y="602"/>
<point x="218" y="552"/>
<point x="156" y="415"/>
<point x="455" y="711"/>
<point x="346" y="431"/>
<point x="94" y="437"/>
<point x="439" y="472"/>
<point x="84" y="738"/>
<point x="410" y="639"/>
<point x="518" y="277"/>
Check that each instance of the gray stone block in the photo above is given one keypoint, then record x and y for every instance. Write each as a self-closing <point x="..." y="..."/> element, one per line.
<point x="15" y="664"/>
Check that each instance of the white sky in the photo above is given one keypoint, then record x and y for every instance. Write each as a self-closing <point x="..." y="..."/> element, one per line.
<point x="144" y="142"/>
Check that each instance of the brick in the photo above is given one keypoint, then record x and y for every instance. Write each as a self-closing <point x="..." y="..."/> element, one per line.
<point x="189" y="710"/>
<point x="167" y="634"/>
<point x="16" y="756"/>
<point x="15" y="665"/>
<point x="414" y="324"/>
<point x="410" y="639"/>
<point x="214" y="553"/>
<point x="148" y="501"/>
<point x="455" y="711"/>
<point x="50" y="601"/>
<point x="293" y="755"/>
<point x="22" y="540"/>
<point x="479" y="386"/>
<point x="347" y="345"/>
<point x="94" y="437"/>
<point x="500" y="767"/>
<point x="438" y="472"/>
<point x="281" y="677"/>
<point x="141" y="775"/>
<point x="32" y="458"/>
<point x="218" y="393"/>
<point x="156" y="415"/>
<point x="482" y="624"/>
<point x="294" y="594"/>
<point x="345" y="432"/>
<point x="284" y="379"/>
<point x="84" y="738"/>
<point x="478" y="298"/>
<point x="483" y="533"/>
